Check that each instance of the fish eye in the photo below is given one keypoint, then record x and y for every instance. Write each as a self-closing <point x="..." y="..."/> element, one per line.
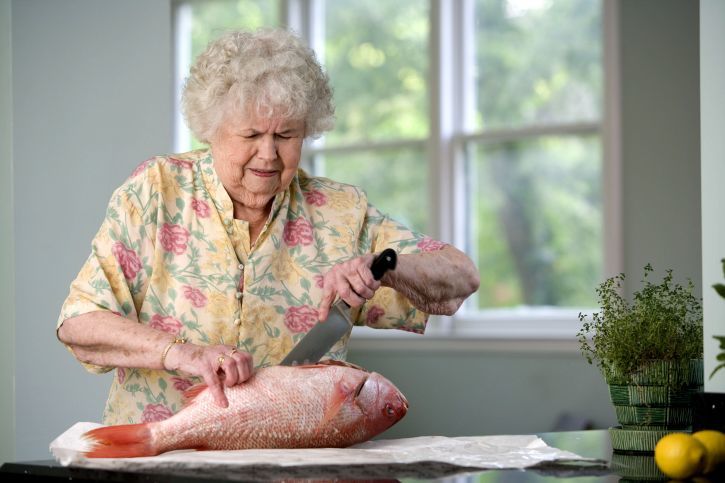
<point x="389" y="410"/>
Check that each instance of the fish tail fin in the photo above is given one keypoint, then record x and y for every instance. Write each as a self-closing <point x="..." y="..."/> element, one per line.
<point x="123" y="441"/>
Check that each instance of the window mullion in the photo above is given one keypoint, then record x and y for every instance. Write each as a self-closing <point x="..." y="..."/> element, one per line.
<point x="445" y="118"/>
<point x="447" y="77"/>
<point x="182" y="16"/>
<point x="307" y="18"/>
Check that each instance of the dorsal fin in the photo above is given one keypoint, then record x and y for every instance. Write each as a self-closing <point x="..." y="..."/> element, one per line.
<point x="332" y="362"/>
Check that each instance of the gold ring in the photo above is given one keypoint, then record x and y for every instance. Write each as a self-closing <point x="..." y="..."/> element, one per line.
<point x="220" y="360"/>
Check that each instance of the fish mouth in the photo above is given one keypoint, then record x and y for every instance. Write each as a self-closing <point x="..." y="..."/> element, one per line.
<point x="403" y="405"/>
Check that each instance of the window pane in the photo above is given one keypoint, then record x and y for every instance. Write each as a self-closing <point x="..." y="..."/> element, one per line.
<point x="211" y="19"/>
<point x="396" y="180"/>
<point x="536" y="214"/>
<point x="376" y="54"/>
<point x="537" y="61"/>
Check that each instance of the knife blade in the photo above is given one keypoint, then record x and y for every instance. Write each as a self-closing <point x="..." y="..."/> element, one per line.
<point x="324" y="335"/>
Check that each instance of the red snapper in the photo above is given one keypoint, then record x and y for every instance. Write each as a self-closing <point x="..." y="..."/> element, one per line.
<point x="321" y="405"/>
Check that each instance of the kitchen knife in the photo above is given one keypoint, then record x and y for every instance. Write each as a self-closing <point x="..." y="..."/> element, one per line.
<point x="324" y="335"/>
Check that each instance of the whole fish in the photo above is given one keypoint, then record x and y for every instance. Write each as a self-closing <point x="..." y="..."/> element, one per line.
<point x="322" y="405"/>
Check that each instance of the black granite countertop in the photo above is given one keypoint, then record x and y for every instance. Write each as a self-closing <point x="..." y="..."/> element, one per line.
<point x="592" y="444"/>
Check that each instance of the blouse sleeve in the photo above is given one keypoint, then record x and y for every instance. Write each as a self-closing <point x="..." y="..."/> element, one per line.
<point x="389" y="309"/>
<point x="115" y="276"/>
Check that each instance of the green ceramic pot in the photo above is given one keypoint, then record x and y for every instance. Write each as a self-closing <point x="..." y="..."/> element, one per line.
<point x="654" y="401"/>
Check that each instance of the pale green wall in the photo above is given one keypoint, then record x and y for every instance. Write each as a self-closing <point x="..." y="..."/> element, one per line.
<point x="660" y="137"/>
<point x="712" y="104"/>
<point x="456" y="392"/>
<point x="92" y="99"/>
<point x="7" y="289"/>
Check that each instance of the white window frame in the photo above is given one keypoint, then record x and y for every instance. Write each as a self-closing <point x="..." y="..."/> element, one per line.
<point x="451" y="100"/>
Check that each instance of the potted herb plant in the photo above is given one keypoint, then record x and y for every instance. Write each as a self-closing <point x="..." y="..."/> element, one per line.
<point x="720" y="289"/>
<point x="650" y="353"/>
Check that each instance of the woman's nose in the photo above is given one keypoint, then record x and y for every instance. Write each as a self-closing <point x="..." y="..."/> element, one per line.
<point x="267" y="148"/>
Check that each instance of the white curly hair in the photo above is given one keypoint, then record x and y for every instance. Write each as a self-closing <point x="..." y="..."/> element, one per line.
<point x="269" y="70"/>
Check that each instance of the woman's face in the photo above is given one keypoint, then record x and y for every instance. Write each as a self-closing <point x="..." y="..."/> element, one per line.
<point x="256" y="158"/>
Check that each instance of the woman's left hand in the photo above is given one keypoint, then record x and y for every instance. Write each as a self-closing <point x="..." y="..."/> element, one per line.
<point x="352" y="281"/>
<point x="219" y="365"/>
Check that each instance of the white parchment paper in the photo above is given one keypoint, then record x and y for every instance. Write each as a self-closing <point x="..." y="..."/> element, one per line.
<point x="484" y="452"/>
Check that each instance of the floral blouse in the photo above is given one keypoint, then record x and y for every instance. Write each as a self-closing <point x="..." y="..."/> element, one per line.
<point x="170" y="254"/>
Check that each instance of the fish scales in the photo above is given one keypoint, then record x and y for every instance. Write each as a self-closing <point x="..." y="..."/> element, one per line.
<point x="322" y="405"/>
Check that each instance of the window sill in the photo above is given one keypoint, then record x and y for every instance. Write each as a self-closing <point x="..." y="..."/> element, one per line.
<point x="540" y="330"/>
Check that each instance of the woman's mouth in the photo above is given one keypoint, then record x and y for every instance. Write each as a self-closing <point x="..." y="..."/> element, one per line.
<point x="263" y="173"/>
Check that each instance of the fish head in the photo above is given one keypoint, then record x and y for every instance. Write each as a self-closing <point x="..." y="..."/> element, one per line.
<point x="381" y="402"/>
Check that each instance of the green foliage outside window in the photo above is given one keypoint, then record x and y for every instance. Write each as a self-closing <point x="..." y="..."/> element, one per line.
<point x="212" y="18"/>
<point x="538" y="62"/>
<point x="376" y="53"/>
<point x="536" y="221"/>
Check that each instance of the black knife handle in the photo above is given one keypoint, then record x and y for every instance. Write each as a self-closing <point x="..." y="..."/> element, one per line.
<point x="384" y="262"/>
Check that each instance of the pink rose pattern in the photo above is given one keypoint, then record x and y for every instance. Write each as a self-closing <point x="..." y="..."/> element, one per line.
<point x="428" y="244"/>
<point x="141" y="167"/>
<point x="181" y="163"/>
<point x="175" y="293"/>
<point x="155" y="412"/>
<point x="300" y="319"/>
<point x="374" y="314"/>
<point x="201" y="208"/>
<point x="167" y="324"/>
<point x="181" y="384"/>
<point x="127" y="258"/>
<point x="297" y="232"/>
<point x="315" y="198"/>
<point x="197" y="298"/>
<point x="174" y="238"/>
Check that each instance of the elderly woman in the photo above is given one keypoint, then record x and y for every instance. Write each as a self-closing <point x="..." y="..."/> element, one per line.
<point x="215" y="262"/>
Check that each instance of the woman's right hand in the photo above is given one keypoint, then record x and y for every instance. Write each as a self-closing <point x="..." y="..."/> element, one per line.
<point x="219" y="366"/>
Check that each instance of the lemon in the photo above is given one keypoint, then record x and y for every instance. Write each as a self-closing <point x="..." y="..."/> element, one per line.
<point x="680" y="455"/>
<point x="714" y="442"/>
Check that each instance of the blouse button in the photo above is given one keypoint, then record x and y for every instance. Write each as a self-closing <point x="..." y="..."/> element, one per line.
<point x="241" y="266"/>
<point x="237" y="322"/>
<point x="238" y="295"/>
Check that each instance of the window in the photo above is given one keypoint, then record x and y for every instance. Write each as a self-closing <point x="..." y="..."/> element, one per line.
<point x="476" y="121"/>
<point x="533" y="152"/>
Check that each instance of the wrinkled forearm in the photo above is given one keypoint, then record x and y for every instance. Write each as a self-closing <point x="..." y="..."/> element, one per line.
<point x="435" y="282"/>
<point x="108" y="340"/>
